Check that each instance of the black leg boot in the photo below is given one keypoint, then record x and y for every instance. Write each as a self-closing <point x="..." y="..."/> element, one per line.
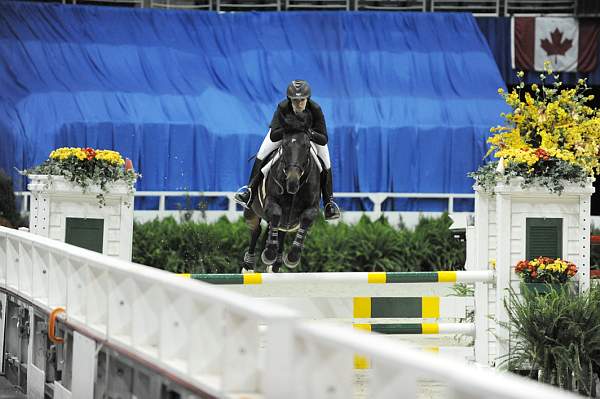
<point x="332" y="211"/>
<point x="245" y="195"/>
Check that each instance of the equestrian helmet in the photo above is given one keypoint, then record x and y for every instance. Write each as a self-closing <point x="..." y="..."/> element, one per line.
<point x="298" y="89"/>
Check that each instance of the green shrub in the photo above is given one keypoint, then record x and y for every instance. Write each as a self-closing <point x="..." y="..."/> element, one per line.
<point x="436" y="243"/>
<point x="366" y="246"/>
<point x="8" y="208"/>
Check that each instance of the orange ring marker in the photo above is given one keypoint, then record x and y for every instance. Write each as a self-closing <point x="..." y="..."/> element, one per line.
<point x="52" y="326"/>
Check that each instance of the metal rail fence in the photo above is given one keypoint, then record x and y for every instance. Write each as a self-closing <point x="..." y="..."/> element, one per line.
<point x="477" y="7"/>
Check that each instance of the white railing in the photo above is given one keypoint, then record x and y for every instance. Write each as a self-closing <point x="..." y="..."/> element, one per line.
<point x="234" y="211"/>
<point x="147" y="313"/>
<point x="208" y="337"/>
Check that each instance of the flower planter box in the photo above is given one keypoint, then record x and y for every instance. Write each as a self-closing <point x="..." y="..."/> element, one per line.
<point x="545" y="288"/>
<point x="59" y="184"/>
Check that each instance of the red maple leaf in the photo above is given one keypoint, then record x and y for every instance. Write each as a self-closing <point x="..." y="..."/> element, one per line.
<point x="557" y="46"/>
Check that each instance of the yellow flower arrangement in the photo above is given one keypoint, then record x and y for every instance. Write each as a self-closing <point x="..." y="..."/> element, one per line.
<point x="87" y="166"/>
<point x="81" y="154"/>
<point x="551" y="136"/>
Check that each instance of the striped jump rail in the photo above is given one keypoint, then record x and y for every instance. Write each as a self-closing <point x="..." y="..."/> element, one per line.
<point x="358" y="309"/>
<point x="427" y="307"/>
<point x="362" y="310"/>
<point x="414" y="307"/>
<point x="485" y="276"/>
<point x="377" y="313"/>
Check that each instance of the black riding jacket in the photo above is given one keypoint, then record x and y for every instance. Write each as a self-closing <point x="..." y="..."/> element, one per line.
<point x="311" y="121"/>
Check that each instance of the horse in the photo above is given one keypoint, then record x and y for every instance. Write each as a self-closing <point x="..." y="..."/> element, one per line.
<point x="288" y="199"/>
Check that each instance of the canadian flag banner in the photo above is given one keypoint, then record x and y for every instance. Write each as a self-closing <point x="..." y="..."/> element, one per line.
<point x="570" y="44"/>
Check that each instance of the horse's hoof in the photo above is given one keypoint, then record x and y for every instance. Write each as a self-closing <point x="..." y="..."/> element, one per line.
<point x="288" y="263"/>
<point x="247" y="271"/>
<point x="265" y="258"/>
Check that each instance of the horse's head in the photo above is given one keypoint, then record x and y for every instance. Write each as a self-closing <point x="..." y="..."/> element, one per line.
<point x="295" y="159"/>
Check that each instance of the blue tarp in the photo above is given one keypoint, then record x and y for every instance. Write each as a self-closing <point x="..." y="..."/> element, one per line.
<point x="188" y="96"/>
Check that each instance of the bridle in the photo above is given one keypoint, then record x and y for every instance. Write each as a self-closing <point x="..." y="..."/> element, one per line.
<point x="304" y="168"/>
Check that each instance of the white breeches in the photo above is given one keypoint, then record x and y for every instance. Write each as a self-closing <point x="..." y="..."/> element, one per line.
<point x="267" y="147"/>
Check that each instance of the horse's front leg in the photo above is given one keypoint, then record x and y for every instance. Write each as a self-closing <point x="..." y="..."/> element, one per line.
<point x="250" y="257"/>
<point x="292" y="258"/>
<point x="273" y="211"/>
<point x="279" y="261"/>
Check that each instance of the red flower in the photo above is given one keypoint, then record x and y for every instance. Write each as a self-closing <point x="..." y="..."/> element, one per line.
<point x="522" y="265"/>
<point x="128" y="164"/>
<point x="542" y="154"/>
<point x="90" y="153"/>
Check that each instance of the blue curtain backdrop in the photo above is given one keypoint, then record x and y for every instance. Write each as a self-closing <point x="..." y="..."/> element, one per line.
<point x="408" y="97"/>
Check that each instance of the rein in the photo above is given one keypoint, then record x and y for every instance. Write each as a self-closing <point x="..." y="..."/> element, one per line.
<point x="306" y="169"/>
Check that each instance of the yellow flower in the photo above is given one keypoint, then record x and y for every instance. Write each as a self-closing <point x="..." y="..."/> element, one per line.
<point x="535" y="87"/>
<point x="520" y="74"/>
<point x="110" y="156"/>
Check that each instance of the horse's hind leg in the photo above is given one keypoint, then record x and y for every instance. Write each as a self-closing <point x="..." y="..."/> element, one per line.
<point x="250" y="256"/>
<point x="292" y="258"/>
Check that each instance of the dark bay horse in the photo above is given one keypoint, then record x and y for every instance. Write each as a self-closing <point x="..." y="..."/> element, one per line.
<point x="288" y="199"/>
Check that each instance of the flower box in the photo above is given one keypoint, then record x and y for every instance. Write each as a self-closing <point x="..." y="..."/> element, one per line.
<point x="544" y="270"/>
<point x="59" y="184"/>
<point x="545" y="288"/>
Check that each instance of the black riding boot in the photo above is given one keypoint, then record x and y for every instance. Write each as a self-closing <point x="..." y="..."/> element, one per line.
<point x="332" y="211"/>
<point x="245" y="195"/>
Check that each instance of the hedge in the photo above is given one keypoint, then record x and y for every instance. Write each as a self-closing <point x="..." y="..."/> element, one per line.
<point x="8" y="210"/>
<point x="366" y="246"/>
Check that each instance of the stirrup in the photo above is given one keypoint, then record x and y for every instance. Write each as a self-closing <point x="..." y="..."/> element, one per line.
<point x="243" y="190"/>
<point x="334" y="210"/>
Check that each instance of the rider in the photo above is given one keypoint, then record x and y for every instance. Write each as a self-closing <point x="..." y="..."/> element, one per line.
<point x="296" y="112"/>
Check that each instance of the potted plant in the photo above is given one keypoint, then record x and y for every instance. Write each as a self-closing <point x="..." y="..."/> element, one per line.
<point x="550" y="138"/>
<point x="543" y="274"/>
<point x="91" y="170"/>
